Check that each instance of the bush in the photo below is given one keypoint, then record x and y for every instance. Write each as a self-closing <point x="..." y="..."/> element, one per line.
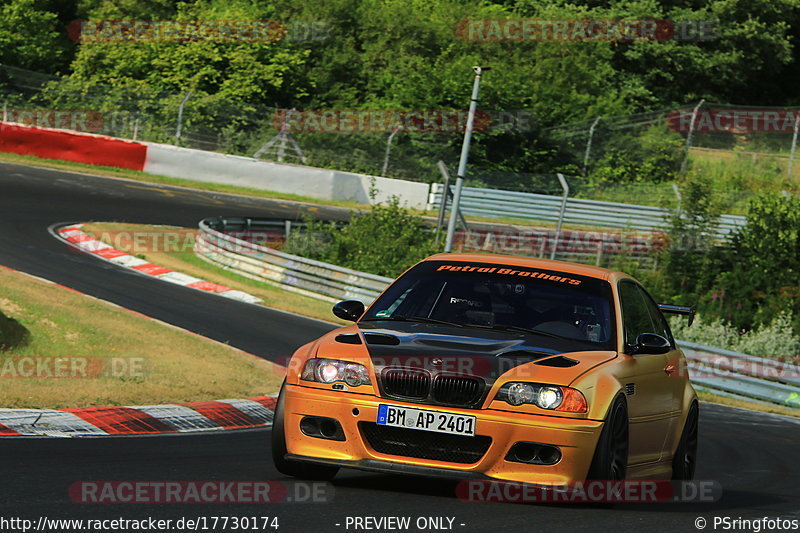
<point x="386" y="240"/>
<point x="776" y="340"/>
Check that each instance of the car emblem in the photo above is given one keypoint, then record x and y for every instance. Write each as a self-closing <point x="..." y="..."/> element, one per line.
<point x="437" y="361"/>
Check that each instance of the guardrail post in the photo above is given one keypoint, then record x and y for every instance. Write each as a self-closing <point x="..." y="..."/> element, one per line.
<point x="599" y="257"/>
<point x="565" y="188"/>
<point x="288" y="229"/>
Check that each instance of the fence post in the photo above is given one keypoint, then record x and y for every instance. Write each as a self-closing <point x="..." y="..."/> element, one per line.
<point x="689" y="135"/>
<point x="5" y="111"/>
<point x="589" y="146"/>
<point x="389" y="149"/>
<point x="445" y="194"/>
<point x="135" y="128"/>
<point x="599" y="257"/>
<point x="680" y="198"/>
<point x="180" y="117"/>
<point x="565" y="188"/>
<point x="462" y="162"/>
<point x="791" y="153"/>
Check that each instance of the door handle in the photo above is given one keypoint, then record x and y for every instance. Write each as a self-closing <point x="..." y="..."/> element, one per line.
<point x="670" y="369"/>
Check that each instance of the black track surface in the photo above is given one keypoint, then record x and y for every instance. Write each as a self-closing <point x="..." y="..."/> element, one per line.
<point x="753" y="456"/>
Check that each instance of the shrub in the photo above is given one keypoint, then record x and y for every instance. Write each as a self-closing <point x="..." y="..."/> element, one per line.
<point x="386" y="240"/>
<point x="775" y="340"/>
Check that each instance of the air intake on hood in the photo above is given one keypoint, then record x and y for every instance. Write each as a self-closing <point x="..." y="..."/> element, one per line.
<point x="348" y="338"/>
<point x="558" y="362"/>
<point x="381" y="338"/>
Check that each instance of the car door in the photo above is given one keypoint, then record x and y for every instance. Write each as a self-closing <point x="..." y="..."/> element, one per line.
<point x="648" y="388"/>
<point x="674" y="370"/>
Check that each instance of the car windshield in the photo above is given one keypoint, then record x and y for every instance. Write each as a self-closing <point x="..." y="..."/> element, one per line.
<point x="507" y="298"/>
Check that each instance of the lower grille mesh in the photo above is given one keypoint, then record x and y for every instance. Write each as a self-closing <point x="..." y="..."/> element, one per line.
<point x="425" y="444"/>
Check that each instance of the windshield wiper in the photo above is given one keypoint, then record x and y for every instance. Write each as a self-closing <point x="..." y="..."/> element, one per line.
<point x="509" y="327"/>
<point x="402" y="318"/>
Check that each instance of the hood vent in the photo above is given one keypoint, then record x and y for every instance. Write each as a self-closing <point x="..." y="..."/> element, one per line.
<point x="382" y="339"/>
<point x="348" y="338"/>
<point x="558" y="362"/>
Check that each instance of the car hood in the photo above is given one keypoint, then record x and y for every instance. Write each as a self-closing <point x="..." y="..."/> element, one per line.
<point x="447" y="350"/>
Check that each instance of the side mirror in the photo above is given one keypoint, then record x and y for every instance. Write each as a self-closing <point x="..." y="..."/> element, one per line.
<point x="349" y="310"/>
<point x="650" y="343"/>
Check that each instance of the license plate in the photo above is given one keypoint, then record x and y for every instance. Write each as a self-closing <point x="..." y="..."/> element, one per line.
<point x="422" y="419"/>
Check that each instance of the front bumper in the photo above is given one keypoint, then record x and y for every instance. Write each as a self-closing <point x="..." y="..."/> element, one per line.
<point x="576" y="438"/>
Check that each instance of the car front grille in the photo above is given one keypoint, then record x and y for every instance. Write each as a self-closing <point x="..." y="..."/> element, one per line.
<point x="406" y="383"/>
<point x="457" y="390"/>
<point x="425" y="444"/>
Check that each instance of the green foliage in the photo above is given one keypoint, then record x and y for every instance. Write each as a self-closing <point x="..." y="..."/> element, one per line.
<point x="763" y="275"/>
<point x="30" y="36"/>
<point x="385" y="240"/>
<point x="655" y="156"/>
<point x="775" y="340"/>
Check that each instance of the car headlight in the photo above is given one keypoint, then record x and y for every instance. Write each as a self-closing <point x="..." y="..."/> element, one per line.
<point x="551" y="397"/>
<point x="333" y="370"/>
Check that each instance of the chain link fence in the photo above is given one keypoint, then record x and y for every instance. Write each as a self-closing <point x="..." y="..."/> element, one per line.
<point x="633" y="158"/>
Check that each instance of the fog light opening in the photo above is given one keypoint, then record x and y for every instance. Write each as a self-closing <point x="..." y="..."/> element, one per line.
<point x="526" y="453"/>
<point x="356" y="412"/>
<point x="310" y="426"/>
<point x="328" y="428"/>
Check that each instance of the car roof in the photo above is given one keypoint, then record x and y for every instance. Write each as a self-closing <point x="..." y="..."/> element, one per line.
<point x="531" y="262"/>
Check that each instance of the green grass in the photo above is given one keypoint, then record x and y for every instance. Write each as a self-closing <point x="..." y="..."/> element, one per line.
<point x="751" y="406"/>
<point x="155" y="363"/>
<point x="185" y="261"/>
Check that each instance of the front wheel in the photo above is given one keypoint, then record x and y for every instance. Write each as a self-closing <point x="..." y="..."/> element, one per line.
<point x="293" y="468"/>
<point x="610" y="460"/>
<point x="685" y="460"/>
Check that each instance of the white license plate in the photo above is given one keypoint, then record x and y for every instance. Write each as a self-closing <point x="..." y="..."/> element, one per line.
<point x="422" y="419"/>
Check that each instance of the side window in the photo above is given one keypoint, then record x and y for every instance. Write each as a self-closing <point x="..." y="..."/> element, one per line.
<point x="657" y="317"/>
<point x="635" y="314"/>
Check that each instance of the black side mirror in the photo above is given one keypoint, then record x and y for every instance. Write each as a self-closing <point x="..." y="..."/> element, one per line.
<point x="349" y="310"/>
<point x="650" y="343"/>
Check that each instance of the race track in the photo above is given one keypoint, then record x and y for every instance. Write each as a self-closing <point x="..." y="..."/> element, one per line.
<point x="753" y="456"/>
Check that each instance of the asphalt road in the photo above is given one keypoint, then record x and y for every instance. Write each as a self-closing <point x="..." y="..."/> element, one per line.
<point x="753" y="456"/>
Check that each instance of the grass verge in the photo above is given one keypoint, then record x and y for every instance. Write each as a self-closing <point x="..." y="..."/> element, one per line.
<point x="751" y="406"/>
<point x="151" y="362"/>
<point x="182" y="259"/>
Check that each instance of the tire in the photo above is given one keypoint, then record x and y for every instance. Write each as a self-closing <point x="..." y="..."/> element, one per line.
<point x="293" y="468"/>
<point x="610" y="461"/>
<point x="685" y="459"/>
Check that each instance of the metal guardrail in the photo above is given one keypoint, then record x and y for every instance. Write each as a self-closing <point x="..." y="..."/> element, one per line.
<point x="746" y="376"/>
<point x="713" y="369"/>
<point x="291" y="272"/>
<point x="499" y="203"/>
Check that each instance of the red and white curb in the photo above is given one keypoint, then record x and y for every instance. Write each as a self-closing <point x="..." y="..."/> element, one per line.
<point x="218" y="415"/>
<point x="75" y="237"/>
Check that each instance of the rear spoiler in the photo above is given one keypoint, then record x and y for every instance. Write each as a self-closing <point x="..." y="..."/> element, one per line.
<point x="678" y="310"/>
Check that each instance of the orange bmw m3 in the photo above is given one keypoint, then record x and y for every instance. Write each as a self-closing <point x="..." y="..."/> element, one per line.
<point x="494" y="367"/>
